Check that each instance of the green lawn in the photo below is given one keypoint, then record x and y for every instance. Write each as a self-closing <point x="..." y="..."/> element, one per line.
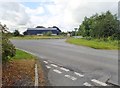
<point x="97" y="44"/>
<point x="23" y="55"/>
<point x="38" y="37"/>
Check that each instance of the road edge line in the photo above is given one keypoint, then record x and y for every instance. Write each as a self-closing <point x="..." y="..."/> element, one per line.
<point x="36" y="75"/>
<point x="99" y="82"/>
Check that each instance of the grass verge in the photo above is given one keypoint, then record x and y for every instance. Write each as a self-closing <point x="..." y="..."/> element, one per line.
<point x="38" y="37"/>
<point x="95" y="43"/>
<point x="22" y="55"/>
<point x="19" y="70"/>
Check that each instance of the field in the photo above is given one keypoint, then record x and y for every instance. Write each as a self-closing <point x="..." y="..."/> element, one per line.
<point x="38" y="37"/>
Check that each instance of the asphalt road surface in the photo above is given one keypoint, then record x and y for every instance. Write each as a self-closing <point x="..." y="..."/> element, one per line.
<point x="71" y="65"/>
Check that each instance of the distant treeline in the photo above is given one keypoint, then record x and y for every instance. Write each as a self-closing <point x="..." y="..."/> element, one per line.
<point x="100" y="26"/>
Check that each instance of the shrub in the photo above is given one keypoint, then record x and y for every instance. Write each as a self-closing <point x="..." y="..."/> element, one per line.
<point x="16" y="33"/>
<point x="8" y="49"/>
<point x="49" y="33"/>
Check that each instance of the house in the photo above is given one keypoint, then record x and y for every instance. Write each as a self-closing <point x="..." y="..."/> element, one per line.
<point x="41" y="31"/>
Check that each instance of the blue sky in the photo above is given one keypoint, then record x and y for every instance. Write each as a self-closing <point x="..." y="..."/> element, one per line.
<point x="31" y="5"/>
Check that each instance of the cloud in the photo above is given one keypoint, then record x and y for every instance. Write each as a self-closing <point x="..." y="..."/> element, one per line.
<point x="14" y="12"/>
<point x="70" y="14"/>
<point x="66" y="14"/>
<point x="36" y="11"/>
<point x="90" y="8"/>
<point x="13" y="15"/>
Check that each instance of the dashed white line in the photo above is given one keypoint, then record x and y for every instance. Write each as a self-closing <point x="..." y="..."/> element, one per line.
<point x="71" y="77"/>
<point x="87" y="84"/>
<point x="57" y="71"/>
<point x="54" y="65"/>
<point x="78" y="74"/>
<point x="99" y="82"/>
<point x="50" y="61"/>
<point x="64" y="69"/>
<point x="48" y="66"/>
<point x="45" y="62"/>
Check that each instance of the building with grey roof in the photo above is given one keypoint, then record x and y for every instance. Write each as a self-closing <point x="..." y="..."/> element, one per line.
<point x="41" y="31"/>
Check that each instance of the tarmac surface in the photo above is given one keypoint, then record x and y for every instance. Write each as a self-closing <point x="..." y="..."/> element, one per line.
<point x="72" y="65"/>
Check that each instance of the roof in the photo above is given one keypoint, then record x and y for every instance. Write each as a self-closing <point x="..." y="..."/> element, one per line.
<point x="42" y="29"/>
<point x="35" y="31"/>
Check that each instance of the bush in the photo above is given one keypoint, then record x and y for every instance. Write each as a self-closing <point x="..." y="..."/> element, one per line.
<point x="16" y="33"/>
<point x="49" y="33"/>
<point x="88" y="38"/>
<point x="8" y="49"/>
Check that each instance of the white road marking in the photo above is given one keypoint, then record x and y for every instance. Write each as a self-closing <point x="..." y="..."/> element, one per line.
<point x="50" y="61"/>
<point x="57" y="71"/>
<point x="64" y="69"/>
<point x="99" y="82"/>
<point x="87" y="84"/>
<point x="78" y="74"/>
<point x="45" y="62"/>
<point x="71" y="77"/>
<point x="54" y="65"/>
<point x="48" y="66"/>
<point x="36" y="75"/>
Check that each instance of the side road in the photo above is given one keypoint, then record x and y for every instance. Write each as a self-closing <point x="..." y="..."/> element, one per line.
<point x="20" y="71"/>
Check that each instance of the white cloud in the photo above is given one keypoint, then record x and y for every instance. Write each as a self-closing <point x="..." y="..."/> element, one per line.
<point x="13" y="15"/>
<point x="65" y="14"/>
<point x="70" y="13"/>
<point x="36" y="11"/>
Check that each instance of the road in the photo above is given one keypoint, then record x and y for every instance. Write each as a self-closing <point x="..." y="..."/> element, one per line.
<point x="71" y="65"/>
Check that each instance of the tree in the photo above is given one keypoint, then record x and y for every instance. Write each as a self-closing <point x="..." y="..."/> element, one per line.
<point x="63" y="33"/>
<point x="8" y="49"/>
<point x="40" y="27"/>
<point x="75" y="31"/>
<point x="85" y="27"/>
<point x="25" y="33"/>
<point x="49" y="33"/>
<point x="16" y="33"/>
<point x="104" y="25"/>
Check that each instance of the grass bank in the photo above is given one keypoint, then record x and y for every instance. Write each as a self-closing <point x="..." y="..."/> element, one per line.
<point x="38" y="37"/>
<point x="94" y="43"/>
